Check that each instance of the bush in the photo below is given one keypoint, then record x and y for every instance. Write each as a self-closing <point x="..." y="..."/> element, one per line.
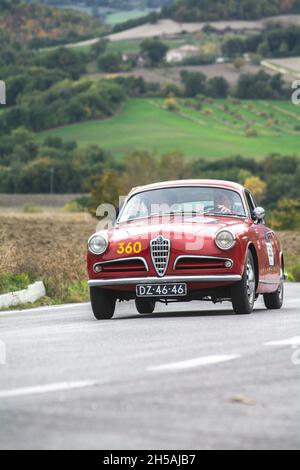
<point x="170" y="90"/>
<point x="171" y="104"/>
<point x="67" y="292"/>
<point x="73" y="207"/>
<point x="251" y="133"/>
<point x="13" y="282"/>
<point x="293" y="272"/>
<point x="31" y="209"/>
<point x="296" y="272"/>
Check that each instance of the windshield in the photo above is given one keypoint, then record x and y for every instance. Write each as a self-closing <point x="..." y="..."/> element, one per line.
<point x="183" y="200"/>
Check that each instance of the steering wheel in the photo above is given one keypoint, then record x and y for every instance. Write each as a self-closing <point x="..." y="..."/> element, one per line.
<point x="209" y="209"/>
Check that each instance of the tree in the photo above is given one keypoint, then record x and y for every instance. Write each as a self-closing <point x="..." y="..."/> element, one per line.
<point x="260" y="86"/>
<point x="139" y="168"/>
<point x="287" y="214"/>
<point x="218" y="87"/>
<point x="233" y="47"/>
<point x="172" y="166"/>
<point x="206" y="10"/>
<point x="106" y="189"/>
<point x="155" y="51"/>
<point x="194" y="83"/>
<point x="110" y="62"/>
<point x="65" y="59"/>
<point x="256" y="186"/>
<point x="98" y="49"/>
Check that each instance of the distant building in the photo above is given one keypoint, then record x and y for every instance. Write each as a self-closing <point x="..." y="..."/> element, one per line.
<point x="182" y="53"/>
<point x="135" y="58"/>
<point x="222" y="60"/>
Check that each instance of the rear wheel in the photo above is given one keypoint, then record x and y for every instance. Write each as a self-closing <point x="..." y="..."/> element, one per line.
<point x="243" y="293"/>
<point x="103" y="303"/>
<point x="274" y="301"/>
<point x="145" y="305"/>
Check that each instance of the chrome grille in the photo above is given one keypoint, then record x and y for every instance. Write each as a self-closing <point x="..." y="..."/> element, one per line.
<point x="160" y="254"/>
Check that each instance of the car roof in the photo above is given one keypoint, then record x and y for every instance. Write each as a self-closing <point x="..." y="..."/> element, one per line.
<point x="191" y="182"/>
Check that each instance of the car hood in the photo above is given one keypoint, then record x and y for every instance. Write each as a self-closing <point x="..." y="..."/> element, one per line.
<point x="169" y="226"/>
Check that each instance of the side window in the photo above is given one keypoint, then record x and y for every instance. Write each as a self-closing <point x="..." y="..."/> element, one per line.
<point x="250" y="202"/>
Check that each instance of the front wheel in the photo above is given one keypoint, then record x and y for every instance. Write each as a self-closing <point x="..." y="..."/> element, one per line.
<point x="243" y="293"/>
<point x="103" y="303"/>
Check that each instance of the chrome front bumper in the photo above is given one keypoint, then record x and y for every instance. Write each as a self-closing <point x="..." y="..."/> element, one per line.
<point x="163" y="280"/>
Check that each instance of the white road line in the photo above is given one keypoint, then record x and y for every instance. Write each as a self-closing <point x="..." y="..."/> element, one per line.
<point x="48" y="388"/>
<point x="196" y="362"/>
<point x="285" y="342"/>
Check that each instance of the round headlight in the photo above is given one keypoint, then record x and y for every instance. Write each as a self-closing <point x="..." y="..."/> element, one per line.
<point x="225" y="240"/>
<point x="97" y="244"/>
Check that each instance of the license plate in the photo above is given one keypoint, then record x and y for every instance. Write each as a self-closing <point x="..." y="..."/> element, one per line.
<point x="161" y="290"/>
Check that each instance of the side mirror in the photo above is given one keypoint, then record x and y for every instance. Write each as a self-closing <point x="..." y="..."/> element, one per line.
<point x="259" y="214"/>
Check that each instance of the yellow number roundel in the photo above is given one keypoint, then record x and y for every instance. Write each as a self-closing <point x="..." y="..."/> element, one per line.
<point x="129" y="248"/>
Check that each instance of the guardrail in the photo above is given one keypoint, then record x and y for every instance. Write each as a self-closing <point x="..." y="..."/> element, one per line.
<point x="30" y="295"/>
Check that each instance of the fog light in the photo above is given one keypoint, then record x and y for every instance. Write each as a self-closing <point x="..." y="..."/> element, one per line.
<point x="228" y="264"/>
<point x="98" y="269"/>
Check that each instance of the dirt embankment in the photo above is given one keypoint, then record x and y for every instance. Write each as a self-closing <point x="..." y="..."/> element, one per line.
<point x="291" y="246"/>
<point x="46" y="245"/>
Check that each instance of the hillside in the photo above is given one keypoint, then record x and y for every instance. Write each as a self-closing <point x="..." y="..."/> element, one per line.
<point x="217" y="130"/>
<point x="42" y="25"/>
<point x="206" y="10"/>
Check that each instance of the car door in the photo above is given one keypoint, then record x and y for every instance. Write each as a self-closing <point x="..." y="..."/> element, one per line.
<point x="262" y="237"/>
<point x="273" y="255"/>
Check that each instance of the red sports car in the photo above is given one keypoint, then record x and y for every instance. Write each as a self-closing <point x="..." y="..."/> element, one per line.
<point x="183" y="241"/>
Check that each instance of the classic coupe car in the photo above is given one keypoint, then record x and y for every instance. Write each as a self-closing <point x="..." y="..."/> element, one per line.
<point x="183" y="241"/>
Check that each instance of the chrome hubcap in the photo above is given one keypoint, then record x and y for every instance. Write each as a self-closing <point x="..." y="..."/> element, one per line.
<point x="250" y="283"/>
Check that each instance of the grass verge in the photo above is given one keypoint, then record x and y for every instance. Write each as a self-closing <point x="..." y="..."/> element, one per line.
<point x="10" y="282"/>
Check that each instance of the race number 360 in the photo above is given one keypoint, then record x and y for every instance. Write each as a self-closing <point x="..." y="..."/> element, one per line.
<point x="129" y="248"/>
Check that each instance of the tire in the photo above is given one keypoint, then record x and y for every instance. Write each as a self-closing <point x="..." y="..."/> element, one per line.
<point x="274" y="301"/>
<point x="145" y="305"/>
<point x="103" y="303"/>
<point x="243" y="293"/>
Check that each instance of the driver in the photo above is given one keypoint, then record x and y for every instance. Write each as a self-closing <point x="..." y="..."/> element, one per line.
<point x="223" y="202"/>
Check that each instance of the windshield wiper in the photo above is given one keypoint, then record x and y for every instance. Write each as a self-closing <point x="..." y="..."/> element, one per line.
<point x="226" y="214"/>
<point x="183" y="212"/>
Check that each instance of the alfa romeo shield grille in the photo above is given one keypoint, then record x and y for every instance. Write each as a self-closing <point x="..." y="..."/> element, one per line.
<point x="160" y="254"/>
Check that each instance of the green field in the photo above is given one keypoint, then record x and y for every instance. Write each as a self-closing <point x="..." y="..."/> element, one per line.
<point x="134" y="45"/>
<point x="122" y="16"/>
<point x="217" y="130"/>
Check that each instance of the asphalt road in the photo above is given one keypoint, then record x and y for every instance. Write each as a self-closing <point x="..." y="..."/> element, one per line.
<point x="190" y="376"/>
